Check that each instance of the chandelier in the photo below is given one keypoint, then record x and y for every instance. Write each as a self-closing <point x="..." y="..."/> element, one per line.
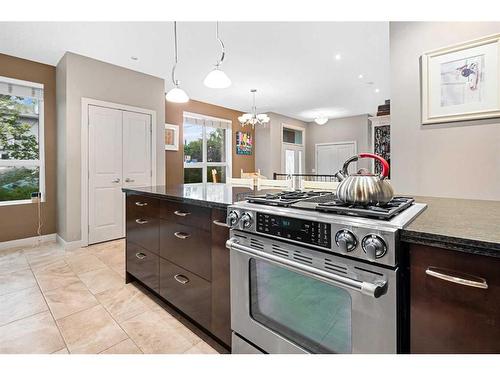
<point x="253" y="118"/>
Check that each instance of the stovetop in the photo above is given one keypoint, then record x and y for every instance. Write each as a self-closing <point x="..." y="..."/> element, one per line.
<point x="327" y="202"/>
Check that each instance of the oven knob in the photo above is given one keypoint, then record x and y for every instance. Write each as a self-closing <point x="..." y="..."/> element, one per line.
<point x="346" y="240"/>
<point x="374" y="247"/>
<point x="232" y="218"/>
<point x="246" y="220"/>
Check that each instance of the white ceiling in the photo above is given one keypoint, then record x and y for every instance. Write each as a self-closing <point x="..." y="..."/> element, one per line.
<point x="291" y="64"/>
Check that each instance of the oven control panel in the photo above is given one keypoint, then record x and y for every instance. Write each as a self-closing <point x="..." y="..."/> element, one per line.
<point x="305" y="231"/>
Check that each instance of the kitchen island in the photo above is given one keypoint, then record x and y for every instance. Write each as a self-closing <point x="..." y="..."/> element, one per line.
<point x="176" y="247"/>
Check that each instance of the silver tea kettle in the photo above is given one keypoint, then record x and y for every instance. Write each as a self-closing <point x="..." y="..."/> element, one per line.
<point x="364" y="188"/>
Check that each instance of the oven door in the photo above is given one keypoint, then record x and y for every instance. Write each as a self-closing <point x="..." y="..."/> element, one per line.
<point x="282" y="306"/>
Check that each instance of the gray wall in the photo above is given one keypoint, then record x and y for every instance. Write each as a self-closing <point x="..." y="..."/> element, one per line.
<point x="78" y="77"/>
<point x="355" y="128"/>
<point x="459" y="160"/>
<point x="268" y="143"/>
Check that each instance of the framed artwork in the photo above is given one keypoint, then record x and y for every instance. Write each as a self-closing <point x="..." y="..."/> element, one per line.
<point x="244" y="143"/>
<point x="461" y="82"/>
<point x="171" y="137"/>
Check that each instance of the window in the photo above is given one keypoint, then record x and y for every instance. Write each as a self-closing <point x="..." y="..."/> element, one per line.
<point x="21" y="141"/>
<point x="207" y="149"/>
<point x="292" y="135"/>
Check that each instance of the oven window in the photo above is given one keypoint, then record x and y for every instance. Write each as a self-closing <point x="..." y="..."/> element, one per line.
<point x="314" y="315"/>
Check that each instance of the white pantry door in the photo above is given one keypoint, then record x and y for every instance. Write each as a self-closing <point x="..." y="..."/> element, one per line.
<point x="136" y="149"/>
<point x="106" y="207"/>
<point x="331" y="157"/>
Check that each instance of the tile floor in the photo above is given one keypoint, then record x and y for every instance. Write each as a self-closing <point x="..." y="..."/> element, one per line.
<point x="57" y="301"/>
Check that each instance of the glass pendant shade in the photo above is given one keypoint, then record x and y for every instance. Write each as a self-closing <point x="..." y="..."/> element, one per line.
<point x="217" y="79"/>
<point x="177" y="95"/>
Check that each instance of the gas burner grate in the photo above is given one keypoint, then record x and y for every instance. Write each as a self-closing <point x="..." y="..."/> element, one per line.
<point x="385" y="212"/>
<point x="286" y="198"/>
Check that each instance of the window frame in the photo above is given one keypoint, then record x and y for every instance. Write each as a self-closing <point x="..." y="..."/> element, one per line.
<point x="205" y="164"/>
<point x="40" y="162"/>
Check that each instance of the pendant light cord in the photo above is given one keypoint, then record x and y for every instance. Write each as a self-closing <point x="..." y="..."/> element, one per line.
<point x="174" y="81"/>
<point x="219" y="63"/>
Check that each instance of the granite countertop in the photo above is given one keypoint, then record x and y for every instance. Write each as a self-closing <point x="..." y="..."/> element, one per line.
<point x="457" y="224"/>
<point x="202" y="194"/>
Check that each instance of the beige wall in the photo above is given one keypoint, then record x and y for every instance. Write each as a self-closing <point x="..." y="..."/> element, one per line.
<point x="175" y="159"/>
<point x="355" y="128"/>
<point x="20" y="221"/>
<point x="459" y="160"/>
<point x="268" y="143"/>
<point x="80" y="77"/>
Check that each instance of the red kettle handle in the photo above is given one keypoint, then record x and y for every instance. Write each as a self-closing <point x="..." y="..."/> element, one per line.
<point x="383" y="162"/>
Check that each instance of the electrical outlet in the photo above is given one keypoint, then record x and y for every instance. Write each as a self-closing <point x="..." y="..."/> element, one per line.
<point x="36" y="197"/>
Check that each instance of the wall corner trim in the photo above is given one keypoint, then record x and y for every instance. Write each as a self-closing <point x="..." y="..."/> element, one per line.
<point x="72" y="245"/>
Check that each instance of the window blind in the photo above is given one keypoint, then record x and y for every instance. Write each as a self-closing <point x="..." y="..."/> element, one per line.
<point x="20" y="88"/>
<point x="206" y="121"/>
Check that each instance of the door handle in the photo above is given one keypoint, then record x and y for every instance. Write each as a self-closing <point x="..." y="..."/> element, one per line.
<point x="220" y="223"/>
<point x="140" y="255"/>
<point x="456" y="278"/>
<point x="141" y="204"/>
<point x="129" y="180"/>
<point x="181" y="213"/>
<point x="182" y="235"/>
<point x="141" y="221"/>
<point x="181" y="278"/>
<point x="115" y="181"/>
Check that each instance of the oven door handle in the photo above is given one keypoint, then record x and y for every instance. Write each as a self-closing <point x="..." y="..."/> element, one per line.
<point x="375" y="289"/>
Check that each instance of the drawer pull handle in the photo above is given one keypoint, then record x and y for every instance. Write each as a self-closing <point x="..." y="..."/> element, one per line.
<point x="141" y="204"/>
<point x="181" y="213"/>
<point x="181" y="279"/>
<point x="456" y="279"/>
<point x="220" y="223"/>
<point x="141" y="221"/>
<point x="140" y="255"/>
<point x="182" y="235"/>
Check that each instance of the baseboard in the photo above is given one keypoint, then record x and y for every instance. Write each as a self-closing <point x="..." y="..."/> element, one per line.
<point x="71" y="245"/>
<point x="30" y="241"/>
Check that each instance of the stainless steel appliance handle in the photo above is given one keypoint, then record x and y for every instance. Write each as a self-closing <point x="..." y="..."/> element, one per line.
<point x="141" y="221"/>
<point x="374" y="290"/>
<point x="180" y="213"/>
<point x="443" y="275"/>
<point x="220" y="223"/>
<point x="182" y="235"/>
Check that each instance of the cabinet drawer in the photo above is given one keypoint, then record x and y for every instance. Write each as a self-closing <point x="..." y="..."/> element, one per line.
<point x="447" y="316"/>
<point x="142" y="206"/>
<point x="186" y="214"/>
<point x="186" y="291"/>
<point x="144" y="231"/>
<point x="143" y="265"/>
<point x="189" y="247"/>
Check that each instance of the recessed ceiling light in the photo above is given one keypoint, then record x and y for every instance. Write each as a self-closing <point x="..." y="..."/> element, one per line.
<point x="377" y="91"/>
<point x="135" y="58"/>
<point x="360" y="76"/>
<point x="337" y="56"/>
<point x="321" y="120"/>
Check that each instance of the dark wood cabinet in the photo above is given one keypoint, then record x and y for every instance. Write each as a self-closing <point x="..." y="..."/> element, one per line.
<point x="455" y="302"/>
<point x="178" y="250"/>
<point x="185" y="290"/>
<point x="186" y="246"/>
<point x="221" y="302"/>
<point x="143" y="265"/>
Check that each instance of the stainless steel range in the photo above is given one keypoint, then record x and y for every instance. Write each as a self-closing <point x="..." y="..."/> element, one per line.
<point x="310" y="274"/>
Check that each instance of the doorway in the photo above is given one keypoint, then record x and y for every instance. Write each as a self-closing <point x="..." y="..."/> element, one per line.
<point x="292" y="149"/>
<point x="330" y="157"/>
<point x="118" y="151"/>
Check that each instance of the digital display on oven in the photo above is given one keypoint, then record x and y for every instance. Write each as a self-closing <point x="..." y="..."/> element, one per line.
<point x="305" y="231"/>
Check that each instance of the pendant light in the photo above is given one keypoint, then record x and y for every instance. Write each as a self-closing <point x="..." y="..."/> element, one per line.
<point x="176" y="95"/>
<point x="217" y="79"/>
<point x="253" y="118"/>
